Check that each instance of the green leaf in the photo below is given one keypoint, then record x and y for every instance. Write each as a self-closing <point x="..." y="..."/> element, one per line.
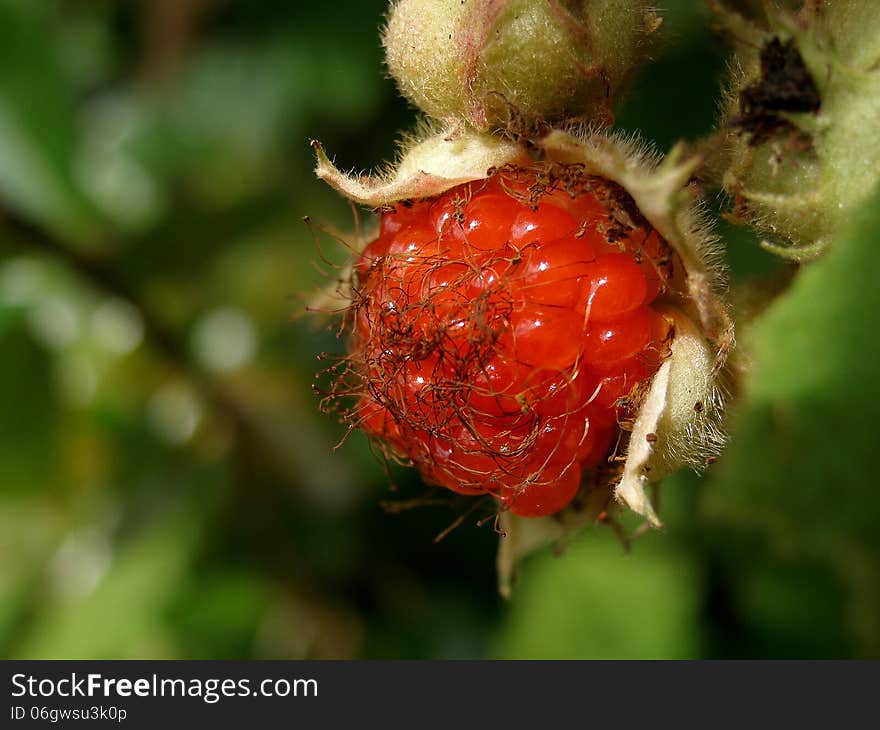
<point x="801" y="464"/>
<point x="37" y="132"/>
<point x="597" y="602"/>
<point x="29" y="417"/>
<point x="30" y="529"/>
<point x="125" y="616"/>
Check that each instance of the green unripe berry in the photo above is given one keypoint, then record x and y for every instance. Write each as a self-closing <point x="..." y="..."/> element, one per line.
<point x="488" y="62"/>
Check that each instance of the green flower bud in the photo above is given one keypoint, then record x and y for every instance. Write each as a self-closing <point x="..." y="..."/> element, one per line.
<point x="497" y="63"/>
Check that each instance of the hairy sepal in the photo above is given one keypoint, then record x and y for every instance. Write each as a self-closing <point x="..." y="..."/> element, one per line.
<point x="428" y="165"/>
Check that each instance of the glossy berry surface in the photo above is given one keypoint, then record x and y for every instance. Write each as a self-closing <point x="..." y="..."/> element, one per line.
<point x="502" y="332"/>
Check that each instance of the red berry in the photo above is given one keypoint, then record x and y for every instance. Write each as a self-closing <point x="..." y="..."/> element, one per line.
<point x="549" y="494"/>
<point x="617" y="286"/>
<point x="378" y="421"/>
<point x="545" y="338"/>
<point x="487" y="220"/>
<point x="612" y="341"/>
<point x="503" y="387"/>
<point x="558" y="273"/>
<point x="400" y="216"/>
<point x="501" y="332"/>
<point x="545" y="223"/>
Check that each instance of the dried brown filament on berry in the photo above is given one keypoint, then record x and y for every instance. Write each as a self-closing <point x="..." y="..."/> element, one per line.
<point x="502" y="333"/>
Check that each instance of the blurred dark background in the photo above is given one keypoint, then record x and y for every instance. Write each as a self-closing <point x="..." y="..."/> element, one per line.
<point x="168" y="486"/>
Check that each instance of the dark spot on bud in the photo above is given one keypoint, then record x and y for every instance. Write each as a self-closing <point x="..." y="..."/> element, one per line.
<point x="785" y="85"/>
<point x="651" y="438"/>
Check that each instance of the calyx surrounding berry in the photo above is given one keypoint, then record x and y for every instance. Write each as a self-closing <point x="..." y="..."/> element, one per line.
<point x="672" y="409"/>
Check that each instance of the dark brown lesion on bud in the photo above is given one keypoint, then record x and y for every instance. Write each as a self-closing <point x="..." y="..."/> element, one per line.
<point x="785" y="86"/>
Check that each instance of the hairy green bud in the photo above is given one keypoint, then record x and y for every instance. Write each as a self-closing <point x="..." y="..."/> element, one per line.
<point x="494" y="64"/>
<point x="801" y="132"/>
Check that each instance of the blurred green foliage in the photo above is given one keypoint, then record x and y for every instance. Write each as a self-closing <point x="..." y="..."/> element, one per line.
<point x="168" y="486"/>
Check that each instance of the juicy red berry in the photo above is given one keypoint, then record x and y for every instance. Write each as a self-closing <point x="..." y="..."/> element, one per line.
<point x="621" y="338"/>
<point x="616" y="286"/>
<point x="558" y="273"/>
<point x="545" y="223"/>
<point x="548" y="494"/>
<point x="486" y="224"/>
<point x="545" y="338"/>
<point x="503" y="331"/>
